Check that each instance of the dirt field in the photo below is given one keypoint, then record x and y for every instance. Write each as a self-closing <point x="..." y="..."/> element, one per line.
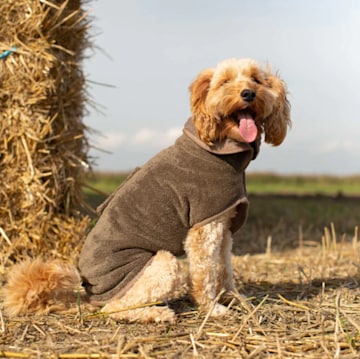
<point x="298" y="303"/>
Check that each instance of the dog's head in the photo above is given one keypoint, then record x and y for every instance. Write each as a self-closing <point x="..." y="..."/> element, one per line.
<point x="239" y="100"/>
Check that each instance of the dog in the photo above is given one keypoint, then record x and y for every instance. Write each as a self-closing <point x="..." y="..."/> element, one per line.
<point x="189" y="199"/>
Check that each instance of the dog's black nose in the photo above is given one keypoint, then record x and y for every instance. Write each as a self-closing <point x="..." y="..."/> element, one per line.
<point x="248" y="95"/>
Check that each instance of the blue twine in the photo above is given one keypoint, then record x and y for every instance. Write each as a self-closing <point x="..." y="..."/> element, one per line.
<point x="5" y="54"/>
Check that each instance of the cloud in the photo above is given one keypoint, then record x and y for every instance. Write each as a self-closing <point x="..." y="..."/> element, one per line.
<point x="339" y="146"/>
<point x="110" y="140"/>
<point x="145" y="138"/>
<point x="155" y="138"/>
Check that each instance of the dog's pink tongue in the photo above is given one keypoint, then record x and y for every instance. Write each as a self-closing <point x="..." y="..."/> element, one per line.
<point x="247" y="127"/>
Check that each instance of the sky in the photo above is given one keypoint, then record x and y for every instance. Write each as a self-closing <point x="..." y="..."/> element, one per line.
<point x="147" y="52"/>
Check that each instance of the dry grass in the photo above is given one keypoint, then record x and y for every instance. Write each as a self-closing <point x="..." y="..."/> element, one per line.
<point x="303" y="303"/>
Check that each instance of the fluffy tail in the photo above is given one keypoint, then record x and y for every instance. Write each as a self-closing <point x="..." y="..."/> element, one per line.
<point x="40" y="287"/>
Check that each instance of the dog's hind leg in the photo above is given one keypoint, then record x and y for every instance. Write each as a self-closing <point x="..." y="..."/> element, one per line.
<point x="162" y="280"/>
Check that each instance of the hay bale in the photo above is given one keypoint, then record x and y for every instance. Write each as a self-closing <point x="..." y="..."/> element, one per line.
<point x="43" y="148"/>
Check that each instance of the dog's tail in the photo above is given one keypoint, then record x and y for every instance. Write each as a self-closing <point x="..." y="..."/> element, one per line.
<point x="37" y="286"/>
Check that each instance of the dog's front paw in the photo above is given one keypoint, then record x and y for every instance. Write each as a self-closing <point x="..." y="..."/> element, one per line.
<point x="219" y="310"/>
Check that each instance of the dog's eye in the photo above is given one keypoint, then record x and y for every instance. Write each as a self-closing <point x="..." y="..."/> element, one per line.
<point x="225" y="82"/>
<point x="255" y="79"/>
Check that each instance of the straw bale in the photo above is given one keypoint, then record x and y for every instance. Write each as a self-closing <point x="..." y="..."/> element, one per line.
<point x="43" y="147"/>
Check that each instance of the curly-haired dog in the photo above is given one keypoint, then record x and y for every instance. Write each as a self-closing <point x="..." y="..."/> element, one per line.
<point x="189" y="198"/>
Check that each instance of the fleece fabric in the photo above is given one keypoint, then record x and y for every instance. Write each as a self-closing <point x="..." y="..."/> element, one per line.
<point x="188" y="184"/>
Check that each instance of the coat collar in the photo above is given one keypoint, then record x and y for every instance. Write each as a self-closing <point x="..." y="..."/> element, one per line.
<point x="225" y="147"/>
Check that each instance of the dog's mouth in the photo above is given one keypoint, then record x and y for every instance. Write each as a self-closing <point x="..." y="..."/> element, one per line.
<point x="247" y="127"/>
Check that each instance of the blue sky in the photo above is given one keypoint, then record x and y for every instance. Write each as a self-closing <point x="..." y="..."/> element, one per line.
<point x="150" y="51"/>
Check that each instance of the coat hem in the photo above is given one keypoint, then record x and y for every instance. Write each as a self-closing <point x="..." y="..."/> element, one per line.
<point x="122" y="291"/>
<point x="243" y="200"/>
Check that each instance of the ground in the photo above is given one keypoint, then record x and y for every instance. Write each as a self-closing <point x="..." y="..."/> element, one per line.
<point x="298" y="303"/>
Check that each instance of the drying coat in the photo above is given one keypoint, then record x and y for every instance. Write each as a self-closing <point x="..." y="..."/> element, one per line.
<point x="186" y="185"/>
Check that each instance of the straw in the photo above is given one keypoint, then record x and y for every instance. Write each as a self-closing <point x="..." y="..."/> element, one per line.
<point x="282" y="317"/>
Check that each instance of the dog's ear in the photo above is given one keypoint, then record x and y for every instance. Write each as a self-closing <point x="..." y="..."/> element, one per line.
<point x="199" y="89"/>
<point x="205" y="125"/>
<point x="276" y="125"/>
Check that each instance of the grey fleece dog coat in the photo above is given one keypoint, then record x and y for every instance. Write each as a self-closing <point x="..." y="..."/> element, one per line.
<point x="186" y="185"/>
